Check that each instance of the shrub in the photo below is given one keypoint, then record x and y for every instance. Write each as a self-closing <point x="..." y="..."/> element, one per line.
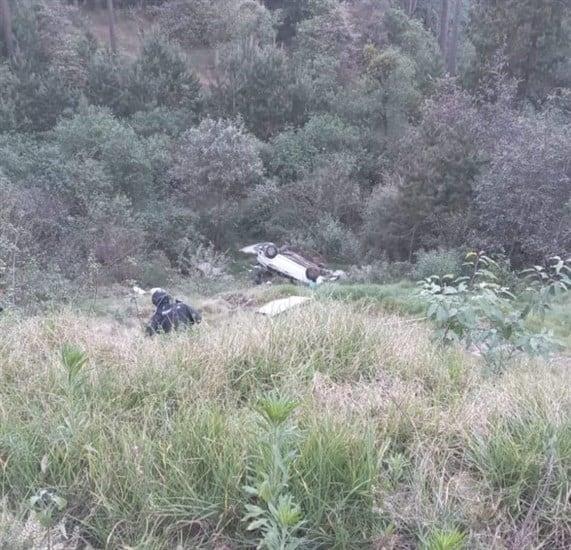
<point x="161" y="77"/>
<point x="438" y="262"/>
<point x="380" y="272"/>
<point x="522" y="201"/>
<point x="196" y="23"/>
<point x="296" y="153"/>
<point x="329" y="238"/>
<point x="97" y="135"/>
<point x="215" y="166"/>
<point x="476" y="311"/>
<point x="107" y="77"/>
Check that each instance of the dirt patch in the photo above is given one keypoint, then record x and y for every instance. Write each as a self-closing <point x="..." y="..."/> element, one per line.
<point x="226" y="305"/>
<point x="238" y="300"/>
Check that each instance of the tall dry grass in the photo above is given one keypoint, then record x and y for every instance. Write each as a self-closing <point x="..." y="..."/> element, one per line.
<point x="400" y="444"/>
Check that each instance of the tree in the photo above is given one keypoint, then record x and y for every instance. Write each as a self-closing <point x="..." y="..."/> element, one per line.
<point x="111" y="20"/>
<point x="523" y="200"/>
<point x="47" y="75"/>
<point x="385" y="230"/>
<point x="532" y="36"/>
<point x="324" y="38"/>
<point x="391" y="77"/>
<point x="160" y="78"/>
<point x="264" y="73"/>
<point x="6" y="16"/>
<point x="411" y="7"/>
<point x="435" y="164"/>
<point x="443" y="33"/>
<point x="295" y="11"/>
<point x="417" y="43"/>
<point x="214" y="167"/>
<point x="452" y="53"/>
<point x="295" y="153"/>
<point x="210" y="23"/>
<point x="95" y="135"/>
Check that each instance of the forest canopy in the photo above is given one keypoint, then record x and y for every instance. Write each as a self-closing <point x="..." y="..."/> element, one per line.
<point x="364" y="130"/>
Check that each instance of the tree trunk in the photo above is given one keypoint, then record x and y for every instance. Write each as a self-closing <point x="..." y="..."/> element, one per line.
<point x="453" y="45"/>
<point x="532" y="54"/>
<point x="6" y="16"/>
<point x="411" y="7"/>
<point x="112" y="35"/>
<point x="444" y="16"/>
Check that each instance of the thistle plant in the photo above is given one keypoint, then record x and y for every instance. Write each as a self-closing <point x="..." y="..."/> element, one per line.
<point x="274" y="515"/>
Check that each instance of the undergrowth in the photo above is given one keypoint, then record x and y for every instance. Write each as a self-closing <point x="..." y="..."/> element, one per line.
<point x="390" y="441"/>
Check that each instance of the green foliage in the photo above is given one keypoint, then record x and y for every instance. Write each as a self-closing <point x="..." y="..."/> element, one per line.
<point x="293" y="12"/>
<point x="445" y="540"/>
<point x="159" y="78"/>
<point x="475" y="310"/>
<point x="391" y="82"/>
<point x="95" y="134"/>
<point x="331" y="238"/>
<point x="548" y="283"/>
<point x="275" y="410"/>
<point x="367" y="150"/>
<point x="73" y="360"/>
<point x="275" y="514"/>
<point x="295" y="153"/>
<point x="438" y="262"/>
<point x="49" y="71"/>
<point x="262" y="72"/>
<point x="525" y="460"/>
<point x="416" y="42"/>
<point x="107" y="77"/>
<point x="215" y="166"/>
<point x="207" y="23"/>
<point x="170" y="429"/>
<point x="397" y="298"/>
<point x="532" y="36"/>
<point x="522" y="200"/>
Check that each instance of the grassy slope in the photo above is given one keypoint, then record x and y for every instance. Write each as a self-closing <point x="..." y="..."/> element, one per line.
<point x="398" y="441"/>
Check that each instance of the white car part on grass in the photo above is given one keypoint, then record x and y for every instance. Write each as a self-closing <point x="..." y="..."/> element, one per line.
<point x="276" y="307"/>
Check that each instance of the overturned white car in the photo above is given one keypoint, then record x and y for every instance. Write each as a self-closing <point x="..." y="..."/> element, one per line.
<point x="289" y="264"/>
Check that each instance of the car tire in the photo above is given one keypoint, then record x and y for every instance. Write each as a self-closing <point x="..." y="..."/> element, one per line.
<point x="312" y="273"/>
<point x="271" y="251"/>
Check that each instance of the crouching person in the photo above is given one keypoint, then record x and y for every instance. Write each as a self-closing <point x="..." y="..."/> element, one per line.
<point x="170" y="315"/>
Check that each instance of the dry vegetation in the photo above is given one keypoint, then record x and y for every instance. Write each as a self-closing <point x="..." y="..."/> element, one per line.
<point x="398" y="444"/>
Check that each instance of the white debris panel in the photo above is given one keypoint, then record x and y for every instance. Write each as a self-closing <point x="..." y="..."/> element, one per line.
<point x="275" y="307"/>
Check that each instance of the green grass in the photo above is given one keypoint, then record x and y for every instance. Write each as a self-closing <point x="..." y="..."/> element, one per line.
<point x="558" y="320"/>
<point x="399" y="298"/>
<point x="396" y="442"/>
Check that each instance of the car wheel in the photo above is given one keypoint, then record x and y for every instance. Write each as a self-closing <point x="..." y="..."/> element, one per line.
<point x="312" y="273"/>
<point x="271" y="251"/>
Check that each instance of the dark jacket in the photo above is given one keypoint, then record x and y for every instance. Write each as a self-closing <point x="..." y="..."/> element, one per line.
<point x="171" y="315"/>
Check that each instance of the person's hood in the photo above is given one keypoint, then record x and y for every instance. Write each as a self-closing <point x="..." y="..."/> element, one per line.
<point x="160" y="298"/>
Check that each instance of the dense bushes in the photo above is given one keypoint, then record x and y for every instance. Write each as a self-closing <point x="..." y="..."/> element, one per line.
<point x="214" y="167"/>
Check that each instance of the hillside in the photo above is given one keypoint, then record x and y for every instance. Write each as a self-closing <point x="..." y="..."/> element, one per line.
<point x="394" y="442"/>
<point x="404" y="162"/>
